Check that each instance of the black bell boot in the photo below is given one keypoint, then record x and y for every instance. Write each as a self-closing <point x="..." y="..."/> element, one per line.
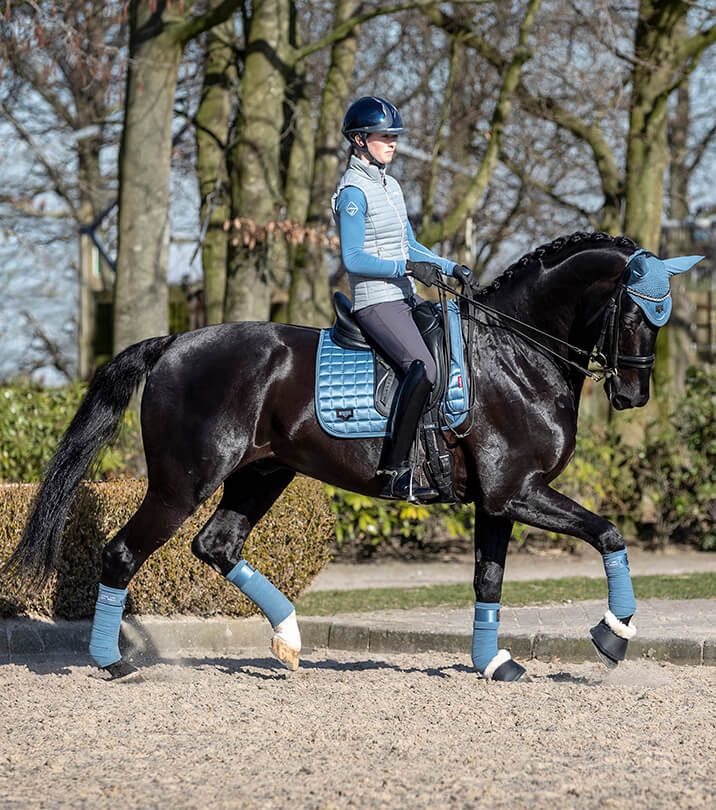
<point x="410" y="400"/>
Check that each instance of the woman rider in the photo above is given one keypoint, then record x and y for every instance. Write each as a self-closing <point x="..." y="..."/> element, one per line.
<point x="380" y="253"/>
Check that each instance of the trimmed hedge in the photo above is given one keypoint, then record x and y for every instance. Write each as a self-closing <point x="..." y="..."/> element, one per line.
<point x="290" y="545"/>
<point x="32" y="421"/>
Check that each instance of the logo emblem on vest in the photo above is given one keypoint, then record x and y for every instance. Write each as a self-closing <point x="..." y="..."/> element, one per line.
<point x="351" y="209"/>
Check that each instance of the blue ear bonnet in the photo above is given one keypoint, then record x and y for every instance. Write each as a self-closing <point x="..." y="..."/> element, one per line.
<point x="647" y="282"/>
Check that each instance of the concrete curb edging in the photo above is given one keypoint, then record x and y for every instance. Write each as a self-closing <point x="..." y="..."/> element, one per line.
<point x="335" y="635"/>
<point x="158" y="637"/>
<point x="145" y="636"/>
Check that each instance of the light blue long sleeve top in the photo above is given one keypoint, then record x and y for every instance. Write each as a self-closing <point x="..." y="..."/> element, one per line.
<point x="351" y="207"/>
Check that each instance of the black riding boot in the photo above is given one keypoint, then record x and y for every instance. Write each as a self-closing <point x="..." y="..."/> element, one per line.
<point x="410" y="400"/>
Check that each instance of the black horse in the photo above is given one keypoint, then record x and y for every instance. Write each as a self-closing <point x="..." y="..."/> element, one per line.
<point x="234" y="404"/>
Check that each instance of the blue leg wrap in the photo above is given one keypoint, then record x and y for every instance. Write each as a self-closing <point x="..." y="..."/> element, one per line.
<point x="104" y="641"/>
<point x="621" y="592"/>
<point x="275" y="606"/>
<point x="484" y="633"/>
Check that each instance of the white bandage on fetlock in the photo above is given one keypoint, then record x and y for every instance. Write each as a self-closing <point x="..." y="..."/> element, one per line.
<point x="627" y="631"/>
<point x="502" y="657"/>
<point x="288" y="631"/>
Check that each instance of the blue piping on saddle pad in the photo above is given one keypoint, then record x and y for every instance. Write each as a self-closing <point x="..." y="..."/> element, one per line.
<point x="345" y="382"/>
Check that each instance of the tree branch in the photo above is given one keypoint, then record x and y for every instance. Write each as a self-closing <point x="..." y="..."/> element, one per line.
<point x="29" y="209"/>
<point x="546" y="107"/>
<point x="527" y="180"/>
<point x="466" y="36"/>
<point x="59" y="186"/>
<point x="700" y="149"/>
<point x="706" y="210"/>
<point x="345" y="28"/>
<point x="191" y="28"/>
<point x="23" y="69"/>
<point x="498" y="236"/>
<point x="57" y="359"/>
<point x="437" y="231"/>
<point x="694" y="46"/>
<point x="542" y="106"/>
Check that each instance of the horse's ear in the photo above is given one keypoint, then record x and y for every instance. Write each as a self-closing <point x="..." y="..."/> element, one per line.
<point x="680" y="264"/>
<point x="637" y="264"/>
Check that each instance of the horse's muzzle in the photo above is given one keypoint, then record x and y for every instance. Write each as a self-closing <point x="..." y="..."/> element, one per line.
<point x="621" y="400"/>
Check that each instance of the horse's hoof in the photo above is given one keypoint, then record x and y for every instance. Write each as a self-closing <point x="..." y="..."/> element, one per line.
<point x="610" y="647"/>
<point x="503" y="668"/>
<point x="509" y="671"/>
<point x="288" y="656"/>
<point x="608" y="662"/>
<point x="120" y="670"/>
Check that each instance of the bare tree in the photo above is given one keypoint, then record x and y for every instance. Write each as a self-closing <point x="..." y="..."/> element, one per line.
<point x="158" y="34"/>
<point x="214" y="120"/>
<point x="309" y="297"/>
<point x="60" y="97"/>
<point x="659" y="61"/>
<point x="436" y="231"/>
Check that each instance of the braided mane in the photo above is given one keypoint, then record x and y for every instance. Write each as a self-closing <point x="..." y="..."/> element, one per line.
<point x="582" y="239"/>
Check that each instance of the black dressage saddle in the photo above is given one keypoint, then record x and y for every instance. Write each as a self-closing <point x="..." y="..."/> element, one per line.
<point x="346" y="333"/>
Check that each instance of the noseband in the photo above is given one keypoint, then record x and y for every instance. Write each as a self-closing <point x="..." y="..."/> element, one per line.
<point x="606" y="350"/>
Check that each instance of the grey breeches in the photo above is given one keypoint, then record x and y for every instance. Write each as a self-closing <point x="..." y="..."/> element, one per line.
<point x="392" y="327"/>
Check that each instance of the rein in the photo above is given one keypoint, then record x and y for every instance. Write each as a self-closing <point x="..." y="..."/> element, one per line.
<point x="609" y="360"/>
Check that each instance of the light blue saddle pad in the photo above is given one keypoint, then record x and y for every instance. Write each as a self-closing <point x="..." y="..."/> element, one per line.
<point x="345" y="384"/>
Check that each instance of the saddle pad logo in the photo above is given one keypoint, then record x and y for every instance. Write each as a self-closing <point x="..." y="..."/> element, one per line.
<point x="351" y="209"/>
<point x="344" y="414"/>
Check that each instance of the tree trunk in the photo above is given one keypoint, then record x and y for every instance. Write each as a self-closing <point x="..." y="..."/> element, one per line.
<point x="334" y="101"/>
<point x="647" y="150"/>
<point x="456" y="58"/>
<point x="679" y="334"/>
<point x="213" y="126"/>
<point x="90" y="184"/>
<point x="298" y="193"/>
<point x="309" y="297"/>
<point x="257" y="196"/>
<point x="140" y="299"/>
<point x="434" y="232"/>
<point x="297" y="169"/>
<point x="660" y="30"/>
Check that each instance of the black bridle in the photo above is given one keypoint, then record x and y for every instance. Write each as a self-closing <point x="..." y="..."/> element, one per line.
<point x="606" y="350"/>
<point x="605" y="353"/>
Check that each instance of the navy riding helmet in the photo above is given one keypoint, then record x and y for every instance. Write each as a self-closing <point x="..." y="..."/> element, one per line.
<point x="371" y="114"/>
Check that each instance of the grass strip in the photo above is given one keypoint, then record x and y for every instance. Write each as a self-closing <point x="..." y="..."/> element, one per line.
<point x="514" y="594"/>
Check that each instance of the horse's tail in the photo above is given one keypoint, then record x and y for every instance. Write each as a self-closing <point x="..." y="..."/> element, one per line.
<point x="94" y="424"/>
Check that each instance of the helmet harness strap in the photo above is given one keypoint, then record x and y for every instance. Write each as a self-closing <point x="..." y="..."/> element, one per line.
<point x="364" y="149"/>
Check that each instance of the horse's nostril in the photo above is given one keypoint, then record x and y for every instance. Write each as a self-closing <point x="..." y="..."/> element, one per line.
<point x="620" y="402"/>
